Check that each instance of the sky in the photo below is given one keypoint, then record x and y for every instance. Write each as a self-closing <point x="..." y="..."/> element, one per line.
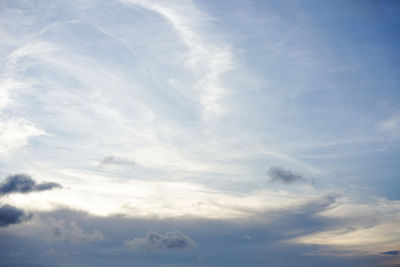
<point x="199" y="133"/>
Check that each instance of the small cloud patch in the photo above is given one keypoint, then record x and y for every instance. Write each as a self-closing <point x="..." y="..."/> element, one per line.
<point x="247" y="237"/>
<point x="12" y="215"/>
<point x="154" y="241"/>
<point x="279" y="174"/>
<point x="112" y="160"/>
<point x="23" y="183"/>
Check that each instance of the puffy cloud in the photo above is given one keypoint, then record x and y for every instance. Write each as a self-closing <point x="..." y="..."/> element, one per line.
<point x="278" y="174"/>
<point x="11" y="215"/>
<point x="71" y="232"/>
<point x="15" y="134"/>
<point x="22" y="183"/>
<point x="154" y="241"/>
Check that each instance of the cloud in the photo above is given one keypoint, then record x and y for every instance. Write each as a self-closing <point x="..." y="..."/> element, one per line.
<point x="390" y="127"/>
<point x="247" y="237"/>
<point x="391" y="124"/>
<point x="71" y="232"/>
<point x="278" y="174"/>
<point x="154" y="241"/>
<point x="393" y="252"/>
<point x="22" y="183"/>
<point x="270" y="239"/>
<point x="15" y="134"/>
<point x="11" y="215"/>
<point x="112" y="160"/>
<point x="209" y="60"/>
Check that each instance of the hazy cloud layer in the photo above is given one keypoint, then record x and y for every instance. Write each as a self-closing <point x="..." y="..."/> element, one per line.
<point x="154" y="241"/>
<point x="12" y="215"/>
<point x="22" y="183"/>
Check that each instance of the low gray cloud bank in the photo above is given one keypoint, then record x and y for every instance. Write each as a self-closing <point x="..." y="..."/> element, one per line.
<point x="257" y="241"/>
<point x="23" y="183"/>
<point x="12" y="215"/>
<point x="279" y="174"/>
<point x="153" y="241"/>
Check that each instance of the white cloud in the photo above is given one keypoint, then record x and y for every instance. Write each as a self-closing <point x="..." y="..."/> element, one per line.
<point x="208" y="60"/>
<point x="15" y="134"/>
<point x="31" y="49"/>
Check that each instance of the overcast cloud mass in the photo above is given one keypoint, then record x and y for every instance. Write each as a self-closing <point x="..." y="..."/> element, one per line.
<point x="199" y="133"/>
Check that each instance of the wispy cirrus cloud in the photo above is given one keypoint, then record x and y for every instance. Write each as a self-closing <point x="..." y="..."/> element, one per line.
<point x="16" y="131"/>
<point x="209" y="61"/>
<point x="201" y="95"/>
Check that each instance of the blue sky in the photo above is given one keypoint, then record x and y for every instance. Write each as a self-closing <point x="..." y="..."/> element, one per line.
<point x="199" y="133"/>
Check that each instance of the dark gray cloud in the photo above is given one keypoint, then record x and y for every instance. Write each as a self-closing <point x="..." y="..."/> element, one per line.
<point x="23" y="183"/>
<point x="11" y="215"/>
<point x="112" y="160"/>
<point x="393" y="252"/>
<point x="154" y="241"/>
<point x="279" y="174"/>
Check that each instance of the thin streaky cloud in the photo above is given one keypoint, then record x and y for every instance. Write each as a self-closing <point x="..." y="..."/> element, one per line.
<point x="208" y="61"/>
<point x="113" y="160"/>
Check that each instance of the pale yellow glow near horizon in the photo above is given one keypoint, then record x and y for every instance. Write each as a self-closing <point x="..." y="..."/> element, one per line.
<point x="104" y="196"/>
<point x="384" y="236"/>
